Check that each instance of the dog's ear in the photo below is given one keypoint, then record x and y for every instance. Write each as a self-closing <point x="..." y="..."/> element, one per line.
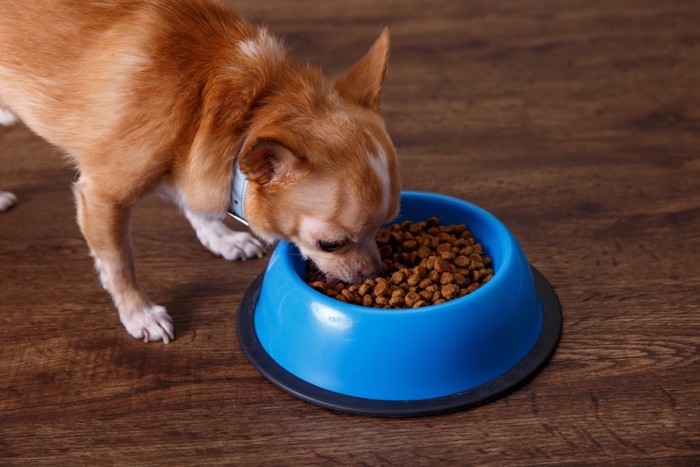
<point x="363" y="83"/>
<point x="267" y="161"/>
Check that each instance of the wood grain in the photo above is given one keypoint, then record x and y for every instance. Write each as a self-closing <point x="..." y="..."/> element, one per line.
<point x="577" y="123"/>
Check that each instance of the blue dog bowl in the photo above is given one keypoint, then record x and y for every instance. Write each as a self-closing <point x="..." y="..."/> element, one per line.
<point x="408" y="362"/>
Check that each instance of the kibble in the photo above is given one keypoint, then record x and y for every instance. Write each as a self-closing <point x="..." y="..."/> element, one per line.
<point x="425" y="264"/>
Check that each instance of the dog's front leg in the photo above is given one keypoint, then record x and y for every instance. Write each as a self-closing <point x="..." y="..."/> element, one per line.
<point x="104" y="221"/>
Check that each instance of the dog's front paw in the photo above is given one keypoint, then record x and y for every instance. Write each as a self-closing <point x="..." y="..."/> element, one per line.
<point x="222" y="241"/>
<point x="237" y="246"/>
<point x="151" y="323"/>
<point x="7" y="200"/>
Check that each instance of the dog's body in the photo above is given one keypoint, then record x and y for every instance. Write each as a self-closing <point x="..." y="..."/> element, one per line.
<point x="156" y="95"/>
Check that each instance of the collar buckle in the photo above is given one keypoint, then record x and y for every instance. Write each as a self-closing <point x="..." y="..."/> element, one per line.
<point x="239" y="188"/>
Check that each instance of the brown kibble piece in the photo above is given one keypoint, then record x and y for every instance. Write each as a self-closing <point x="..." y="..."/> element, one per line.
<point x="398" y="277"/>
<point x="459" y="279"/>
<point x="446" y="278"/>
<point x="441" y="265"/>
<point x="429" y="262"/>
<point x="425" y="295"/>
<point x="434" y="276"/>
<point x="416" y="228"/>
<point x="449" y="291"/>
<point x="444" y="247"/>
<point x="347" y="293"/>
<point x="398" y="293"/>
<point x="411" y="298"/>
<point x="424" y="252"/>
<point x="447" y="255"/>
<point x="381" y="288"/>
<point x="363" y="289"/>
<point x="410" y="245"/>
<point x="467" y="250"/>
<point x="413" y="280"/>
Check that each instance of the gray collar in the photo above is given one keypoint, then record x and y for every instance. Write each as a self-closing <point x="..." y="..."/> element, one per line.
<point x="239" y="188"/>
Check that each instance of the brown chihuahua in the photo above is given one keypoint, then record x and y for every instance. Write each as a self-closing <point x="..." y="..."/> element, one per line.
<point x="184" y="98"/>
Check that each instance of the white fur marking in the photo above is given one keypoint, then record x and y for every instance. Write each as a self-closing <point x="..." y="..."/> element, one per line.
<point x="7" y="118"/>
<point x="380" y="165"/>
<point x="7" y="200"/>
<point x="222" y="241"/>
<point x="262" y="46"/>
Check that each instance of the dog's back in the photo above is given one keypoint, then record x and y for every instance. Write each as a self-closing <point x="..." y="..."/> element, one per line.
<point x="124" y="66"/>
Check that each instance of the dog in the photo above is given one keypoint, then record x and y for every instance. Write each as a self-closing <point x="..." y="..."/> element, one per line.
<point x="186" y="99"/>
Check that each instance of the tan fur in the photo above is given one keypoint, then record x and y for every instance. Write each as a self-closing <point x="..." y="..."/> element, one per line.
<point x="149" y="94"/>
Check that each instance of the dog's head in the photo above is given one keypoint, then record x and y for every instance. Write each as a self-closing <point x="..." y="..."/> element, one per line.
<point x="321" y="167"/>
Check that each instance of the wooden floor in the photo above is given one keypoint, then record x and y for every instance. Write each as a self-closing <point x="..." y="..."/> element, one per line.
<point x="577" y="123"/>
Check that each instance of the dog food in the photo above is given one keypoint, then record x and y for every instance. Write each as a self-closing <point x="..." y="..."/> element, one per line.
<point x="425" y="263"/>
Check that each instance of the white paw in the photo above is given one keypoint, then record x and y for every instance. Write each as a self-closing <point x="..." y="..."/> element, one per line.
<point x="151" y="324"/>
<point x="234" y="245"/>
<point x="7" y="118"/>
<point x="7" y="200"/>
<point x="222" y="241"/>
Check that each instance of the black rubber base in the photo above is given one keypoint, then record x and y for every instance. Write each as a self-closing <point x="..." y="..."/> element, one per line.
<point x="494" y="389"/>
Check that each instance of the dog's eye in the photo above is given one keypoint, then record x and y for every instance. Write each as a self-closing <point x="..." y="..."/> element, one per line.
<point x="330" y="246"/>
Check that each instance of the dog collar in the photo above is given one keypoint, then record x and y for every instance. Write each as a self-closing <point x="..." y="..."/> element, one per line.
<point x="239" y="188"/>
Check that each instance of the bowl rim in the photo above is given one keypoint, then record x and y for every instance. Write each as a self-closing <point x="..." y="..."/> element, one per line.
<point x="507" y="258"/>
